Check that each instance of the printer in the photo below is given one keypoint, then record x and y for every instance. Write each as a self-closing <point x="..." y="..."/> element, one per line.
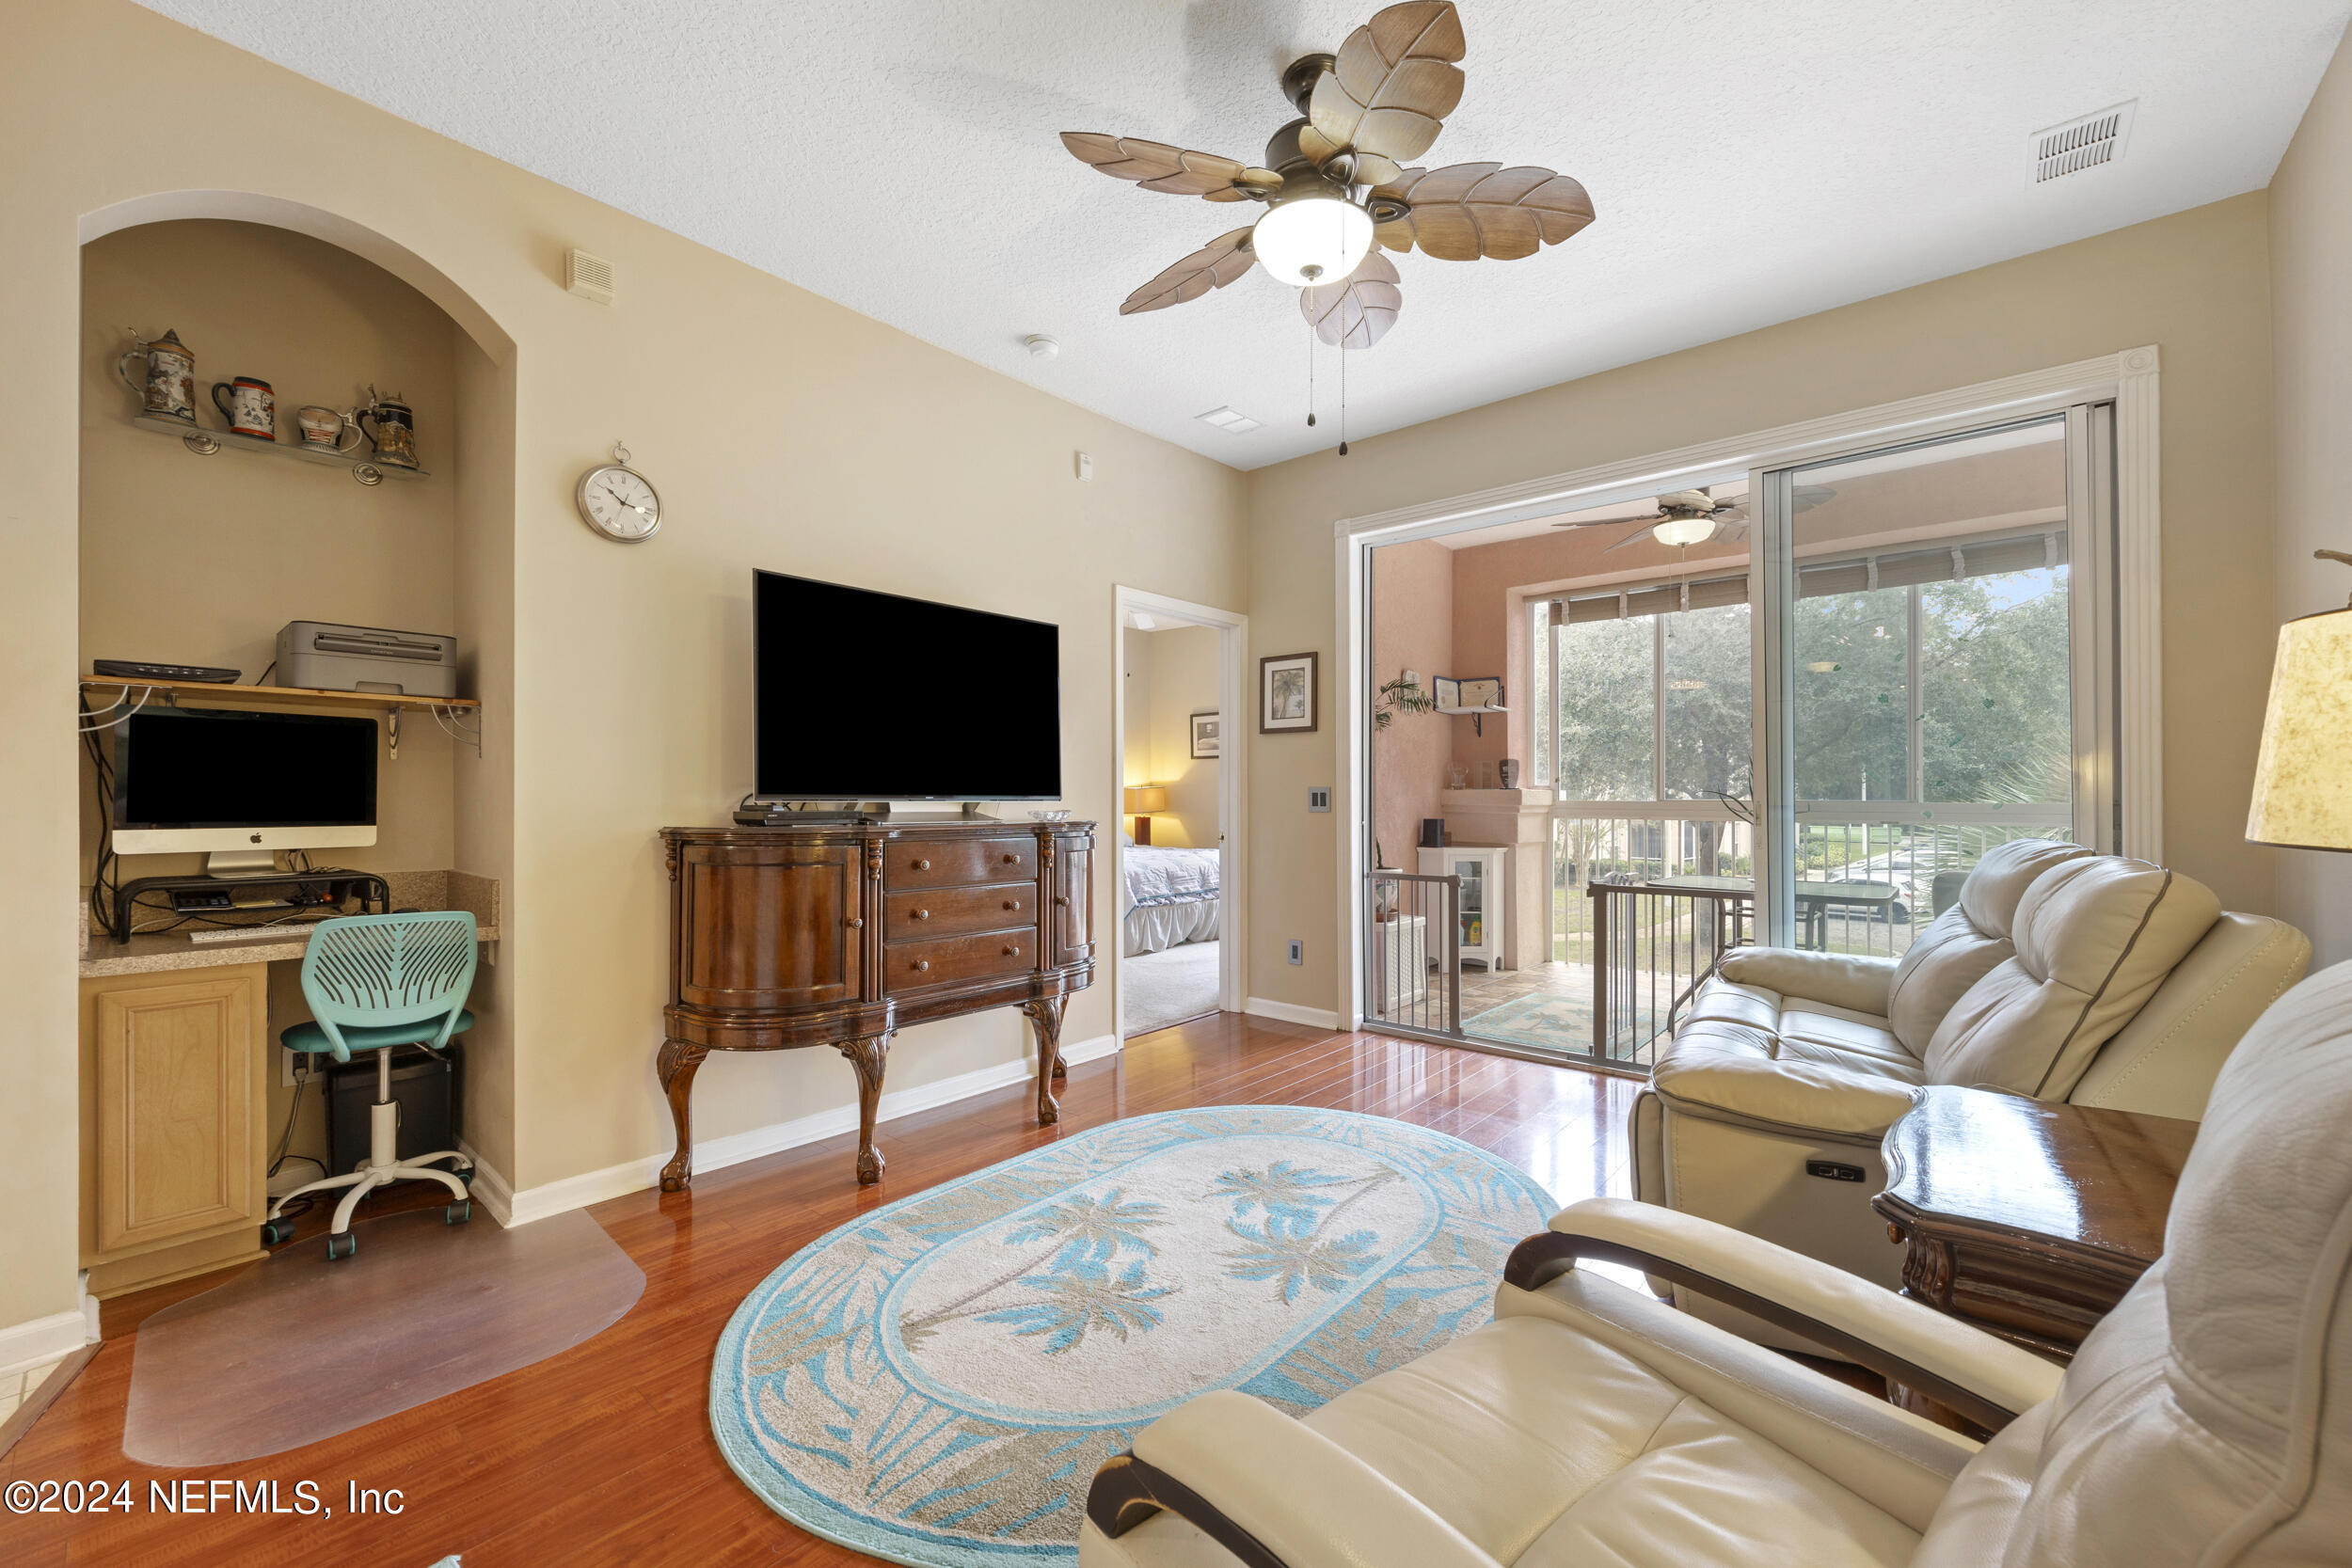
<point x="326" y="657"/>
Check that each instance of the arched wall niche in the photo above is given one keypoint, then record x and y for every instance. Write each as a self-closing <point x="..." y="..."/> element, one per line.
<point x="472" y="458"/>
<point x="279" y="212"/>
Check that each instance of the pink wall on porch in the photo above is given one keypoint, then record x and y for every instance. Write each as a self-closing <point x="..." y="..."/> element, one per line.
<point x="1412" y="628"/>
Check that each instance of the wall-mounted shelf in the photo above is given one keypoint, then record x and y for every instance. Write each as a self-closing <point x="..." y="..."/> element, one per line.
<point x="131" y="695"/>
<point x="173" y="690"/>
<point x="205" y="443"/>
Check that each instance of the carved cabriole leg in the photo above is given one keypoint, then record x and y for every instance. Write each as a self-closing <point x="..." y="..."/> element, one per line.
<point x="1046" y="1013"/>
<point x="676" y="1065"/>
<point x="866" y="1056"/>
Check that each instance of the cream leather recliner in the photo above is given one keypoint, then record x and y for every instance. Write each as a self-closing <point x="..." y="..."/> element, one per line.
<point x="2060" y="973"/>
<point x="2207" y="1421"/>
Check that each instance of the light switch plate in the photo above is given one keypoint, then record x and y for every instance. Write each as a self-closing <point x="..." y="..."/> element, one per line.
<point x="1319" y="797"/>
<point x="1298" y="951"/>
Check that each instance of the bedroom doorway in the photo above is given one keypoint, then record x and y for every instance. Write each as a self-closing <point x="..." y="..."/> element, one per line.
<point x="1178" y="683"/>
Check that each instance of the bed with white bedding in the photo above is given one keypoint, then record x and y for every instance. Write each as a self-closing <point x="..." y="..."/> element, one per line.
<point x="1171" y="898"/>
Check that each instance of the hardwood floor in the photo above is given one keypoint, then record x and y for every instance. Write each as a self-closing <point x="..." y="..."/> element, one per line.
<point x="603" y="1454"/>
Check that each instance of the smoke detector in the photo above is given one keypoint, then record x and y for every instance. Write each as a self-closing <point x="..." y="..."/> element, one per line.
<point x="1040" y="346"/>
<point x="589" y="277"/>
<point x="1232" y="422"/>
<point x="2082" y="143"/>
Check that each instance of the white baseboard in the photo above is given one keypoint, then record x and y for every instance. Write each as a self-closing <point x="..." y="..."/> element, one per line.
<point x="511" y="1207"/>
<point x="489" y="1187"/>
<point x="27" y="1345"/>
<point x="1290" y="1012"/>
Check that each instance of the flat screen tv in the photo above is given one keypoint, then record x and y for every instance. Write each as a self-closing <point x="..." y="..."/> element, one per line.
<point x="866" y="696"/>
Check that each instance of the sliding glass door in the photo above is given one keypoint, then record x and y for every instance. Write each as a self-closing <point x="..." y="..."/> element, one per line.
<point x="1929" y="659"/>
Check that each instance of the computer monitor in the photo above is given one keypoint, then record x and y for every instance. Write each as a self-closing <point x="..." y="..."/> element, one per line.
<point x="240" y="785"/>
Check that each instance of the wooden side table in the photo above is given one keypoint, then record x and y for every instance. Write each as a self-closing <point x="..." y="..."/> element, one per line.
<point x="2027" y="1218"/>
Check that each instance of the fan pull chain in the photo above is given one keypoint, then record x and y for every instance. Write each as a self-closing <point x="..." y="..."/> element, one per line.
<point x="1343" y="397"/>
<point x="1310" y="375"/>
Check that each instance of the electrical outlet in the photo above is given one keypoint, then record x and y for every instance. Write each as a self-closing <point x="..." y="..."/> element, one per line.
<point x="1298" y="951"/>
<point x="285" y="1068"/>
<point x="1319" y="797"/>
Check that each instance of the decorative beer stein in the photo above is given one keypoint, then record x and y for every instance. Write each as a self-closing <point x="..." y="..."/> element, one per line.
<point x="394" y="433"/>
<point x="248" y="406"/>
<point x="169" y="390"/>
<point x="321" y="429"/>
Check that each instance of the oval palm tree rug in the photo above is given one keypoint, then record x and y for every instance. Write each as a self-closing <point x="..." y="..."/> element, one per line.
<point x="935" y="1383"/>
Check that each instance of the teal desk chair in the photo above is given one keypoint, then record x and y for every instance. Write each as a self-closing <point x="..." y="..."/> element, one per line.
<point x="373" y="982"/>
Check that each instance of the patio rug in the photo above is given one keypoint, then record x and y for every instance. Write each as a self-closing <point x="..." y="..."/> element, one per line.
<point x="936" y="1382"/>
<point x="1549" y="1021"/>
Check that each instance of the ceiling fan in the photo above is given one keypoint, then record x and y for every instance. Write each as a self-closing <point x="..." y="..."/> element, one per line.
<point x="1682" y="518"/>
<point x="1687" y="517"/>
<point x="1335" y="182"/>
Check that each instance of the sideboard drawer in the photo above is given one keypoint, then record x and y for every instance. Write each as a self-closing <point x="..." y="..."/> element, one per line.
<point x="925" y="917"/>
<point x="912" y="965"/>
<point x="958" y="862"/>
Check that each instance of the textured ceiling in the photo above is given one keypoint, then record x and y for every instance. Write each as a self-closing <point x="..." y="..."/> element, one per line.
<point x="1751" y="163"/>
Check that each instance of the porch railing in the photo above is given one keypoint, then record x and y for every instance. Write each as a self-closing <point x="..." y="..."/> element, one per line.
<point x="1413" y="953"/>
<point x="1652" y="946"/>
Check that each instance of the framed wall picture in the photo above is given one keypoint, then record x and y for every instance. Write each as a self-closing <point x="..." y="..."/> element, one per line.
<point x="1205" y="728"/>
<point x="1287" y="685"/>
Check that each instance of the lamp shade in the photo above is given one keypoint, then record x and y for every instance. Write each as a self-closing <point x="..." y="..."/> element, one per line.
<point x="2303" y="780"/>
<point x="1143" y="800"/>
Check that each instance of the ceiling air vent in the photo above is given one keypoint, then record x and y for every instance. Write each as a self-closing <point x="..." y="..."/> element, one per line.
<point x="1229" y="420"/>
<point x="2083" y="143"/>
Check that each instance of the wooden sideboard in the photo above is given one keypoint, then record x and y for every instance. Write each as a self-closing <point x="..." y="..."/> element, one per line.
<point x="838" y="934"/>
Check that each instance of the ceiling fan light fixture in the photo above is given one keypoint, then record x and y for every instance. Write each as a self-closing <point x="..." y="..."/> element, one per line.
<point x="1313" y="239"/>
<point x="1678" y="531"/>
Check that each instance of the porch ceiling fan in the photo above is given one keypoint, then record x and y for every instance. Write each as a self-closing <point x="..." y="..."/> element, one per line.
<point x="1681" y="518"/>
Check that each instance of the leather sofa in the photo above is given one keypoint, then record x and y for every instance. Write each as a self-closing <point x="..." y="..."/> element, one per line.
<point x="2206" y="1421"/>
<point x="2058" y="974"/>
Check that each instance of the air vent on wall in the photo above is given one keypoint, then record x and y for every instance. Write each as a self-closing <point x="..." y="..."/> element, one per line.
<point x="1228" y="421"/>
<point x="2082" y="143"/>
<point x="589" y="277"/>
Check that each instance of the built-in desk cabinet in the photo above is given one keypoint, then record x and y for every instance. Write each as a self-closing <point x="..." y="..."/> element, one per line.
<point x="174" y="1090"/>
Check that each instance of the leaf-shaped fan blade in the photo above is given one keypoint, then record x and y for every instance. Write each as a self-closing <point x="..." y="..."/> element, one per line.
<point x="1357" y="311"/>
<point x="1212" y="266"/>
<point x="1395" y="83"/>
<point x="1157" y="167"/>
<point x="1466" y="210"/>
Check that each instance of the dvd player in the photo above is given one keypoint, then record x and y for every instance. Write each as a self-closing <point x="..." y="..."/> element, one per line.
<point x="136" y="669"/>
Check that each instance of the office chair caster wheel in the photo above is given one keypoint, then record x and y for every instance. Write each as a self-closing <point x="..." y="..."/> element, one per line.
<point x="466" y="1176"/>
<point x="458" y="1213"/>
<point x="276" y="1232"/>
<point x="342" y="1246"/>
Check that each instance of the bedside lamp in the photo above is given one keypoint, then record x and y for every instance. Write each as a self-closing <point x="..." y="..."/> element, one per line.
<point x="2303" y="780"/>
<point x="1142" y="800"/>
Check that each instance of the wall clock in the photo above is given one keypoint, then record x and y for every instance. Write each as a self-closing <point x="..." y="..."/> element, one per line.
<point x="618" y="503"/>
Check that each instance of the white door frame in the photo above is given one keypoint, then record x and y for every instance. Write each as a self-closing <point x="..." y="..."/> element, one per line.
<point x="1232" y="789"/>
<point x="2128" y="379"/>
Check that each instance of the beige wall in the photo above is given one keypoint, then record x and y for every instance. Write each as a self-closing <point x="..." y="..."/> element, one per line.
<point x="1135" y="668"/>
<point x="784" y="432"/>
<point x="1183" y="664"/>
<point x="2310" y="323"/>
<point x="2195" y="283"/>
<point x="1412" y="628"/>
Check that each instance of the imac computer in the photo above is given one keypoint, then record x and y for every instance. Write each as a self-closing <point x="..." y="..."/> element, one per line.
<point x="240" y="785"/>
